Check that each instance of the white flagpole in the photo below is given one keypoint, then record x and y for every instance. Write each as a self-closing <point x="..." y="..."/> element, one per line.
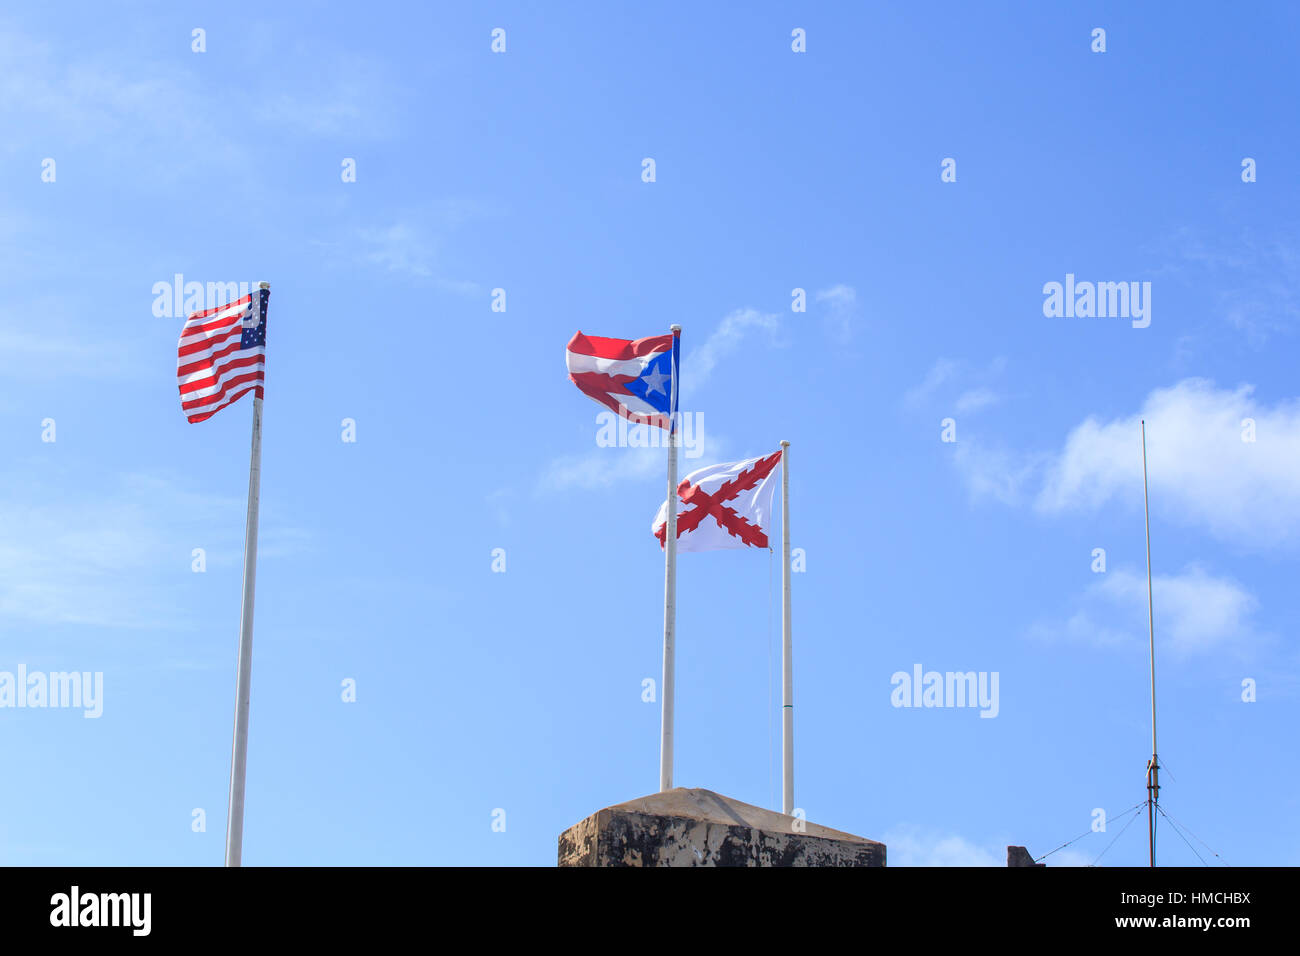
<point x="787" y="676"/>
<point x="243" y="681"/>
<point x="670" y="592"/>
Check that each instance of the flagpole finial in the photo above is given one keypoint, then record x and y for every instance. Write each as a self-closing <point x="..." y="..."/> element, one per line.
<point x="264" y="285"/>
<point x="675" y="328"/>
<point x="784" y="443"/>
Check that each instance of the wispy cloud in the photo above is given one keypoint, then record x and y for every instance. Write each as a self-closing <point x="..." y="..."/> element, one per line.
<point x="416" y="243"/>
<point x="103" y="559"/>
<point x="910" y="845"/>
<point x="1197" y="612"/>
<point x="996" y="472"/>
<point x="498" y="502"/>
<point x="975" y="399"/>
<point x="602" y="467"/>
<point x="1255" y="278"/>
<point x="841" y="310"/>
<point x="148" y="109"/>
<point x="940" y="373"/>
<point x="734" y="329"/>
<point x="173" y="116"/>
<point x="973" y="385"/>
<point x="84" y="562"/>
<point x="355" y="98"/>
<point x="34" y="350"/>
<point x="1201" y="470"/>
<point x="605" y="467"/>
<point x="397" y="248"/>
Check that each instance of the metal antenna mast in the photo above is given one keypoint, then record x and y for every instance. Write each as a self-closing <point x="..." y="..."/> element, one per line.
<point x="1153" y="766"/>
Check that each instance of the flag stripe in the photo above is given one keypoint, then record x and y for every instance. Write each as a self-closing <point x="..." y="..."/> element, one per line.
<point x="198" y="328"/>
<point x="580" y="364"/>
<point x="204" y="343"/>
<point x="193" y="370"/>
<point x="238" y="304"/>
<point x="622" y="402"/>
<point x="618" y="372"/>
<point x="221" y="356"/>
<point x="198" y="385"/>
<point x="204" y="416"/>
<point x="622" y="349"/>
<point x="226" y="387"/>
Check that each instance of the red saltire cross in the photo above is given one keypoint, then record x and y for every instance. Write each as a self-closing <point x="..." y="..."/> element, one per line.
<point x="704" y="504"/>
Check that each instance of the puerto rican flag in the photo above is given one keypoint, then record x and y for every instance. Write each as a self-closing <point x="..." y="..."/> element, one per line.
<point x="635" y="378"/>
<point x="723" y="506"/>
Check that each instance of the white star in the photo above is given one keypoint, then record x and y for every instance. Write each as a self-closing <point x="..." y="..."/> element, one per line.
<point x="654" y="382"/>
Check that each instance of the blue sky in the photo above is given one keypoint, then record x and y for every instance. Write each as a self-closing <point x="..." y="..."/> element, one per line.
<point x="774" y="170"/>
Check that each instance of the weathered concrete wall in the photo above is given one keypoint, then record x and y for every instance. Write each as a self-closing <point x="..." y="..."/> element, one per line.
<point x="1019" y="856"/>
<point x="686" y="827"/>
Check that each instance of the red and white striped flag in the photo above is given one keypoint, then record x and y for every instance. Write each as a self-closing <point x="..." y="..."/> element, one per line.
<point x="221" y="355"/>
<point x="635" y="378"/>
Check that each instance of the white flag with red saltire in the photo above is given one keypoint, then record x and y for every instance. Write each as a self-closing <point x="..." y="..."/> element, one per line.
<point x="723" y="506"/>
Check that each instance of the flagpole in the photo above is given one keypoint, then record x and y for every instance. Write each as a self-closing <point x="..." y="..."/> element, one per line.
<point x="670" y="590"/>
<point x="243" y="681"/>
<point x="787" y="675"/>
<point x="1153" y="767"/>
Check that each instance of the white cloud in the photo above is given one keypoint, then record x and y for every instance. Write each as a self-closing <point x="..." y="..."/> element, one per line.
<point x="154" y="111"/>
<point x="397" y="248"/>
<point x="39" y="350"/>
<point x="940" y="373"/>
<point x="908" y="845"/>
<point x="839" y="296"/>
<point x="1254" y="277"/>
<point x="498" y="501"/>
<point x="1072" y="857"/>
<point x="602" y="467"/>
<point x="605" y="467"/>
<point x="1200" y="469"/>
<point x="416" y="243"/>
<point x="176" y="116"/>
<point x="73" y="563"/>
<point x="1195" y="612"/>
<point x="105" y="560"/>
<point x="975" y="399"/>
<point x="354" y="102"/>
<point x="946" y="375"/>
<point x="841" y="301"/>
<point x="995" y="472"/>
<point x="734" y="329"/>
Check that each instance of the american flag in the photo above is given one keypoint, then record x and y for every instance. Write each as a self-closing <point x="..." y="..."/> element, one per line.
<point x="222" y="355"/>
